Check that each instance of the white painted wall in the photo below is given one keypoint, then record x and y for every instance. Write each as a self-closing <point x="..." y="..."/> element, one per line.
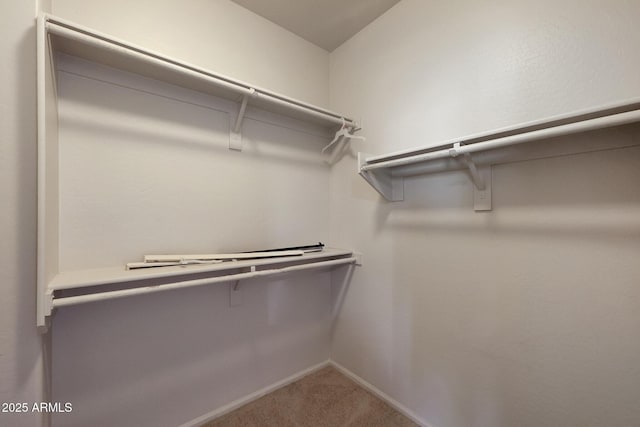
<point x="527" y="315"/>
<point x="523" y="316"/>
<point x="21" y="368"/>
<point x="145" y="167"/>
<point x="217" y="35"/>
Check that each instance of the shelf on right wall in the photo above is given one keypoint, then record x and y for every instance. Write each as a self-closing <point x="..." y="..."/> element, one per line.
<point x="386" y="172"/>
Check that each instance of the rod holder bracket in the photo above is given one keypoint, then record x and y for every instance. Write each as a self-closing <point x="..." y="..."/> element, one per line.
<point x="235" y="294"/>
<point x="48" y="303"/>
<point x="453" y="152"/>
<point x="481" y="178"/>
<point x="390" y="187"/>
<point x="358" y="256"/>
<point x="235" y="136"/>
<point x="476" y="176"/>
<point x="466" y="158"/>
<point x="235" y="141"/>
<point x="44" y="321"/>
<point x="482" y="197"/>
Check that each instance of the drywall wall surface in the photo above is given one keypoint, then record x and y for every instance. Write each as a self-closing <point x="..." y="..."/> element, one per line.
<point x="169" y="358"/>
<point x="145" y="168"/>
<point x="526" y="315"/>
<point x="137" y="157"/>
<point x="220" y="36"/>
<point x="21" y="368"/>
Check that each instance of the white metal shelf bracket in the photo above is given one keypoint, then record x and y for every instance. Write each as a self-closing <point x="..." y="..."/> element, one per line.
<point x="359" y="258"/>
<point x="49" y="302"/>
<point x="44" y="319"/>
<point x="235" y="136"/>
<point x="468" y="161"/>
<point x="482" y="196"/>
<point x="235" y="294"/>
<point x="390" y="187"/>
<point x="481" y="186"/>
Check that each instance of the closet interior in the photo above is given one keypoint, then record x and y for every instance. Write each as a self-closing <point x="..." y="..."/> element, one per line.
<point x="469" y="244"/>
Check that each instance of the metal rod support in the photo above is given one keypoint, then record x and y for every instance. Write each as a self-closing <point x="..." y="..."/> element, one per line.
<point x="478" y="181"/>
<point x="243" y="107"/>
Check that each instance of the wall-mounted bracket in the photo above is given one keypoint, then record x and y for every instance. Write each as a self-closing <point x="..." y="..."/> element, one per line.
<point x="482" y="197"/>
<point x="481" y="180"/>
<point x="390" y="187"/>
<point x="48" y="303"/>
<point x="358" y="256"/>
<point x="44" y="320"/>
<point x="235" y="294"/>
<point x="235" y="137"/>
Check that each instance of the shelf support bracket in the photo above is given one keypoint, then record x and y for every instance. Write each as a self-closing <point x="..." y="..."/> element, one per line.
<point x="390" y="187"/>
<point x="235" y="294"/>
<point x="482" y="197"/>
<point x="476" y="177"/>
<point x="235" y="137"/>
<point x="481" y="180"/>
<point x="358" y="256"/>
<point x="48" y="303"/>
<point x="44" y="319"/>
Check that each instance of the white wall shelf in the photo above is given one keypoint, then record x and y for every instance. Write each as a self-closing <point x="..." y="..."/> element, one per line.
<point x="57" y="38"/>
<point x="79" y="41"/>
<point x="93" y="285"/>
<point x="113" y="275"/>
<point x="386" y="172"/>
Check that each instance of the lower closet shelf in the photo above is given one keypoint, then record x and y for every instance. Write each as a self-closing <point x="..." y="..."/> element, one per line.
<point x="77" y="287"/>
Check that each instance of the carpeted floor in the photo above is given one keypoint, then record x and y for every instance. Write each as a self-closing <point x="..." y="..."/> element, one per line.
<point x="323" y="398"/>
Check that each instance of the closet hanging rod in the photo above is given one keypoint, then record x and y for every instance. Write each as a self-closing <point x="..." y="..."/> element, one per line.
<point x="547" y="122"/>
<point x="102" y="42"/>
<point x="548" y="132"/>
<point x="81" y="299"/>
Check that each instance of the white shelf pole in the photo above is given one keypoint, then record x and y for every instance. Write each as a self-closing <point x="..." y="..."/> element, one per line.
<point x="338" y="120"/>
<point x="81" y="299"/>
<point x="550" y="132"/>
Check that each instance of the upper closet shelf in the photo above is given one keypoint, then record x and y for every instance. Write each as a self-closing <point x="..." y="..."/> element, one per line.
<point x="91" y="45"/>
<point x="385" y="172"/>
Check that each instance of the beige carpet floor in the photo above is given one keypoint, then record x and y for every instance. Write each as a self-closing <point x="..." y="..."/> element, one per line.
<point x="323" y="398"/>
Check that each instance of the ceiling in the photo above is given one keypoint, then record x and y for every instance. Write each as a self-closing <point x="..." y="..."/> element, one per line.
<point x="326" y="23"/>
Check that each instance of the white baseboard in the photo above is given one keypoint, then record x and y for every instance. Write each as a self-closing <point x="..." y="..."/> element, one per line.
<point x="253" y="396"/>
<point x="383" y="396"/>
<point x="277" y="385"/>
